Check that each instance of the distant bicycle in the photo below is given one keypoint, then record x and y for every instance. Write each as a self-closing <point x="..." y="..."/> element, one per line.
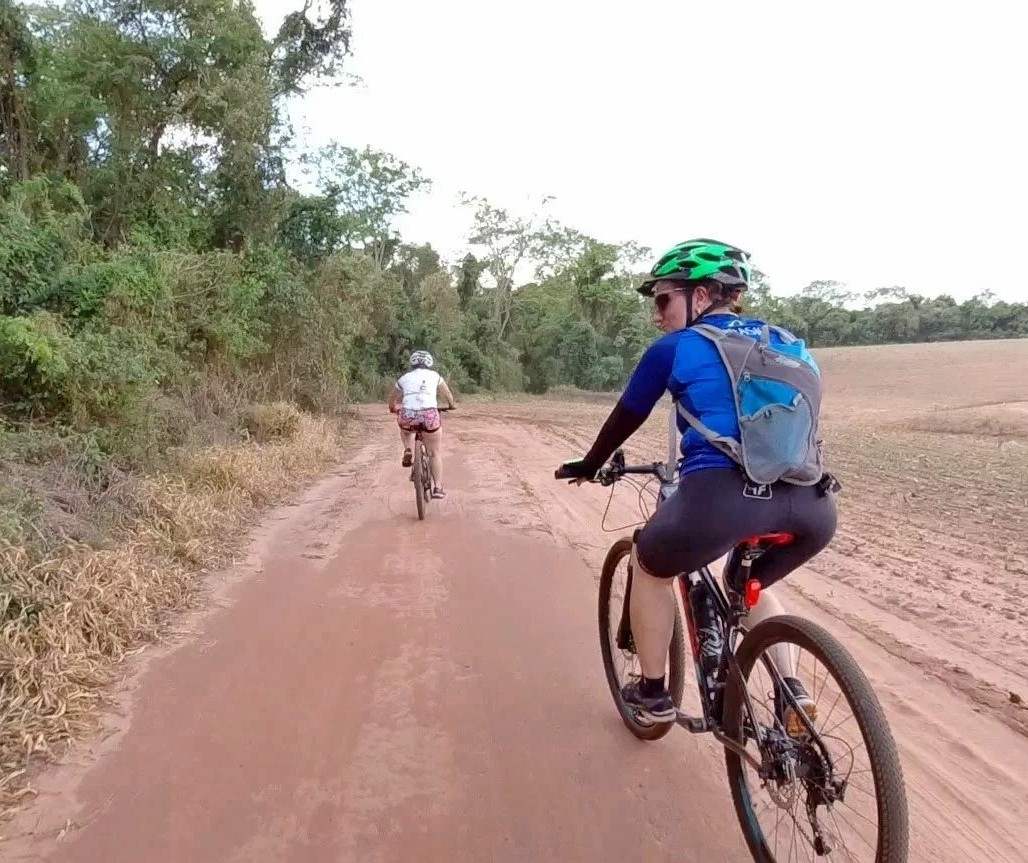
<point x="803" y="762"/>
<point x="421" y="473"/>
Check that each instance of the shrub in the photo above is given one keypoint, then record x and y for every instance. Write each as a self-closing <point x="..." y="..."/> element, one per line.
<point x="268" y="422"/>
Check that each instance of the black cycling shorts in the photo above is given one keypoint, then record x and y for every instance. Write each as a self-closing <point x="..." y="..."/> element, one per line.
<point x="712" y="511"/>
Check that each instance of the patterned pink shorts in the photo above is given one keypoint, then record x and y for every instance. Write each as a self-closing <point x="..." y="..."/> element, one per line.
<point x="424" y="420"/>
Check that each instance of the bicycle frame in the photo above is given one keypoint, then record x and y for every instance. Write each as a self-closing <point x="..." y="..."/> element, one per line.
<point x="731" y="608"/>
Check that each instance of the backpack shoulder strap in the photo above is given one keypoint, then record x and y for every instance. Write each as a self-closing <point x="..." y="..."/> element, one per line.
<point x="710" y="331"/>
<point x="723" y="443"/>
<point x="782" y="333"/>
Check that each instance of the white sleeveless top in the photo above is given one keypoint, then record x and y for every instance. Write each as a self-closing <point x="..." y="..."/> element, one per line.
<point x="419" y="389"/>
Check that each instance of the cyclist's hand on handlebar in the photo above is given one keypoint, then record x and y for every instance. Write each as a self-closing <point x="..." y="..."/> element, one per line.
<point x="575" y="470"/>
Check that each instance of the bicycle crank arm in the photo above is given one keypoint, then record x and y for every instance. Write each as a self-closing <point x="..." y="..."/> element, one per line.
<point x="692" y="724"/>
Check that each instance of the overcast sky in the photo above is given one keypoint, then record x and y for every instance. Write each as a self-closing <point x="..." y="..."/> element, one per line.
<point x="874" y="143"/>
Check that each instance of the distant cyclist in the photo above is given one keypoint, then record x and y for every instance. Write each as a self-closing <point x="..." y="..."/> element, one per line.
<point x="715" y="506"/>
<point x="414" y="400"/>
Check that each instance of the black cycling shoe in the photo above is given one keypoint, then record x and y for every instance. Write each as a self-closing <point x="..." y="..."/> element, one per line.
<point x="657" y="708"/>
<point x="408" y="458"/>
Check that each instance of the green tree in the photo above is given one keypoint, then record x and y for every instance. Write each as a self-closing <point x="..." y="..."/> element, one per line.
<point x="412" y="264"/>
<point x="310" y="48"/>
<point x="469" y="274"/>
<point x="505" y="241"/>
<point x="370" y="188"/>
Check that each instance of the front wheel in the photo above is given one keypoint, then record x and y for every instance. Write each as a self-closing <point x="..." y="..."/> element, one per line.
<point x="614" y="591"/>
<point x="834" y="784"/>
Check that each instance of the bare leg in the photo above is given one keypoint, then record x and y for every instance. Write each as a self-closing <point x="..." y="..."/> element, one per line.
<point x="784" y="656"/>
<point x="652" y="610"/>
<point x="408" y="446"/>
<point x="433" y="445"/>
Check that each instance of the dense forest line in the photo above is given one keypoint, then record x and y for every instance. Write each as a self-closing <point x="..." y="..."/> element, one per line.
<point x="157" y="268"/>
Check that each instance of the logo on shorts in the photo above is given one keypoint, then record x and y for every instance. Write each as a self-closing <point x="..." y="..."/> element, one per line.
<point x="757" y="491"/>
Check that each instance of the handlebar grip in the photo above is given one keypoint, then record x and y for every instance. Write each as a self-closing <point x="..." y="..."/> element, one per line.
<point x="563" y="472"/>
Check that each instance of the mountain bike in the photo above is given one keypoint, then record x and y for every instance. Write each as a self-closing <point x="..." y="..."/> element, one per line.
<point x="421" y="473"/>
<point x="793" y="752"/>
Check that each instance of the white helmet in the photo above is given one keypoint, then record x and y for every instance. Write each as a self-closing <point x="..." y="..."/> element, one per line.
<point x="421" y="358"/>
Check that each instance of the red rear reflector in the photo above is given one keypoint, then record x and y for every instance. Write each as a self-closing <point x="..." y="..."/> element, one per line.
<point x="751" y="595"/>
<point x="768" y="539"/>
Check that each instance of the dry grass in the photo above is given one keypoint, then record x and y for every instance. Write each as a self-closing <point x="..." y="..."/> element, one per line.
<point x="277" y="421"/>
<point x="68" y="617"/>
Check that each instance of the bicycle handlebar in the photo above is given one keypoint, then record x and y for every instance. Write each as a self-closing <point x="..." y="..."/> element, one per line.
<point x="617" y="469"/>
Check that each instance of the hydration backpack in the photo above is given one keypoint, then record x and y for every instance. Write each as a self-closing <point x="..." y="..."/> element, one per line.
<point x="777" y="391"/>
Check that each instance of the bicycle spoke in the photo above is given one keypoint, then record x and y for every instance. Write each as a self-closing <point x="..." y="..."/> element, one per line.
<point x="862" y="790"/>
<point x="836" y="815"/>
<point x="828" y="732"/>
<point x="824" y="683"/>
<point x="858" y="814"/>
<point x="841" y="844"/>
<point x="834" y="705"/>
<point x="778" y="821"/>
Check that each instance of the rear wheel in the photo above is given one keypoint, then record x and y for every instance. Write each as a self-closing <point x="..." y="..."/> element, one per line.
<point x="837" y="793"/>
<point x="426" y="474"/>
<point x="621" y="664"/>
<point x="419" y="478"/>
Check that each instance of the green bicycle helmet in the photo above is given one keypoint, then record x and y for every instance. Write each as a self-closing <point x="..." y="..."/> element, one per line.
<point x="701" y="260"/>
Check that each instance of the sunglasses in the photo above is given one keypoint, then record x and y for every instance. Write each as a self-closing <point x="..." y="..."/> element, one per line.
<point x="661" y="300"/>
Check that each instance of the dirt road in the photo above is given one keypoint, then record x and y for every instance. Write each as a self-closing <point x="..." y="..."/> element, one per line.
<point x="368" y="687"/>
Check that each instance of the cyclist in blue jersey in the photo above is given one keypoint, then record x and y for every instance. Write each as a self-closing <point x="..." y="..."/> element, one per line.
<point x="715" y="505"/>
